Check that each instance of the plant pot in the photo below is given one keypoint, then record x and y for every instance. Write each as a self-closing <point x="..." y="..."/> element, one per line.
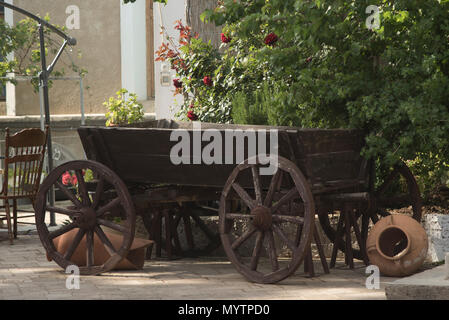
<point x="398" y="245"/>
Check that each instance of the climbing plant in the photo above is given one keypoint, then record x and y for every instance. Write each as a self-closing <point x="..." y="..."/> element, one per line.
<point x="22" y="39"/>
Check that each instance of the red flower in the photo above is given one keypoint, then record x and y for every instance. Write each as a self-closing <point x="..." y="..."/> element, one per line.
<point x="66" y="179"/>
<point x="225" y="39"/>
<point x="207" y="81"/>
<point x="74" y="181"/>
<point x="192" y="116"/>
<point x="271" y="39"/>
<point x="177" y="83"/>
<point x="309" y="59"/>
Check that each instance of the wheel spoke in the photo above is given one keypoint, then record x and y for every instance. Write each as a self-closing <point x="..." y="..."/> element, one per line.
<point x="374" y="218"/>
<point x="257" y="185"/>
<point x="272" y="251"/>
<point x="90" y="248"/>
<point x="283" y="218"/>
<point x="271" y="190"/>
<point x="232" y="216"/>
<point x="383" y="212"/>
<point x="108" y="207"/>
<point x="395" y="201"/>
<point x="284" y="238"/>
<point x="69" y="253"/>
<point x="68" y="212"/>
<point x="98" y="193"/>
<point x="200" y="223"/>
<point x="257" y="249"/>
<point x="105" y="240"/>
<point x="61" y="231"/>
<point x="365" y="226"/>
<point x="292" y="194"/>
<point x="82" y="188"/>
<point x="70" y="195"/>
<point x="245" y="236"/>
<point x="244" y="195"/>
<point x="112" y="225"/>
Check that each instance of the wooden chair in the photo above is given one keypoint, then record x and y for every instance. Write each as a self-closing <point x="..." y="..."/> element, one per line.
<point x="22" y="169"/>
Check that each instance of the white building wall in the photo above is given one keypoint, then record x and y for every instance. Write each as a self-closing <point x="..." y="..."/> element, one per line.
<point x="133" y="47"/>
<point x="166" y="104"/>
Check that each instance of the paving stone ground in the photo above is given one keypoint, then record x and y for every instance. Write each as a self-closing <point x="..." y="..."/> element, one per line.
<point x="25" y="273"/>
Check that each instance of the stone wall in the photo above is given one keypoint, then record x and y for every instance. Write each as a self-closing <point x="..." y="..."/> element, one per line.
<point x="437" y="228"/>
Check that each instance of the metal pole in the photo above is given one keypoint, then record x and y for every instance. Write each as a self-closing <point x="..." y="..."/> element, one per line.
<point x="83" y="118"/>
<point x="44" y="86"/>
<point x="41" y="106"/>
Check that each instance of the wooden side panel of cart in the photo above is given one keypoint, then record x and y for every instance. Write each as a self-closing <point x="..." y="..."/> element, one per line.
<point x="328" y="158"/>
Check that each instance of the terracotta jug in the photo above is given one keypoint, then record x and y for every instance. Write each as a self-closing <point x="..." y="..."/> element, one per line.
<point x="398" y="245"/>
<point x="134" y="259"/>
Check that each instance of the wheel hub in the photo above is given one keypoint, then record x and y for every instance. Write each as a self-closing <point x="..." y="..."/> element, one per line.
<point x="87" y="219"/>
<point x="262" y="218"/>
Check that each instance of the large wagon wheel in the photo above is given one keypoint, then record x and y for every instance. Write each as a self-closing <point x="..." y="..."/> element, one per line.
<point x="397" y="190"/>
<point x="270" y="225"/>
<point x="87" y="212"/>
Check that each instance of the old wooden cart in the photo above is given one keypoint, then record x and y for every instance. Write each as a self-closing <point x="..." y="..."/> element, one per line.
<point x="319" y="172"/>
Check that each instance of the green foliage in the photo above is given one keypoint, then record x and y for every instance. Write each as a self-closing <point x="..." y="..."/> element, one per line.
<point x="327" y="69"/>
<point x="393" y="82"/>
<point x="22" y="39"/>
<point x="124" y="109"/>
<point x="272" y="104"/>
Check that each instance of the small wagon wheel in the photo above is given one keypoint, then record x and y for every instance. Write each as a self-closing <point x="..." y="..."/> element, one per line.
<point x="271" y="222"/>
<point x="397" y="190"/>
<point x="87" y="213"/>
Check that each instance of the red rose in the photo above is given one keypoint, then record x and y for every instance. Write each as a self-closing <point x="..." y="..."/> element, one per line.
<point x="177" y="83"/>
<point x="192" y="116"/>
<point x="207" y="81"/>
<point x="66" y="179"/>
<point x="225" y="39"/>
<point x="74" y="181"/>
<point x="271" y="39"/>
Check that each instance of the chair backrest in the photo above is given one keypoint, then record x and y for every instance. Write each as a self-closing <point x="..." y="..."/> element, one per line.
<point x="24" y="158"/>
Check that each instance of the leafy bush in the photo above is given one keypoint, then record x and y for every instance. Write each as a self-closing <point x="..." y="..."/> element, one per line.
<point x="317" y="64"/>
<point x="124" y="109"/>
<point x="23" y="40"/>
<point x="392" y="81"/>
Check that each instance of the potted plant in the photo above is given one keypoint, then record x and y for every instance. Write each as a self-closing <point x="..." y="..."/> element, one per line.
<point x="123" y="109"/>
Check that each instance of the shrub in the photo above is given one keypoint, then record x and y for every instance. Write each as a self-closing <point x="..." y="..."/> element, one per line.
<point x="124" y="109"/>
<point x="392" y="81"/>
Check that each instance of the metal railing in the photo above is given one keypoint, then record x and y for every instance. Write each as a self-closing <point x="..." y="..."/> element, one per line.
<point x="41" y="101"/>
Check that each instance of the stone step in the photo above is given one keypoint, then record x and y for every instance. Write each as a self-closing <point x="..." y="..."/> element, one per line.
<point x="427" y="285"/>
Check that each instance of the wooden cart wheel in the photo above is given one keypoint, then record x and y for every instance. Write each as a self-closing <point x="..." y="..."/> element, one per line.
<point x="272" y="228"/>
<point x="87" y="212"/>
<point x="398" y="190"/>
